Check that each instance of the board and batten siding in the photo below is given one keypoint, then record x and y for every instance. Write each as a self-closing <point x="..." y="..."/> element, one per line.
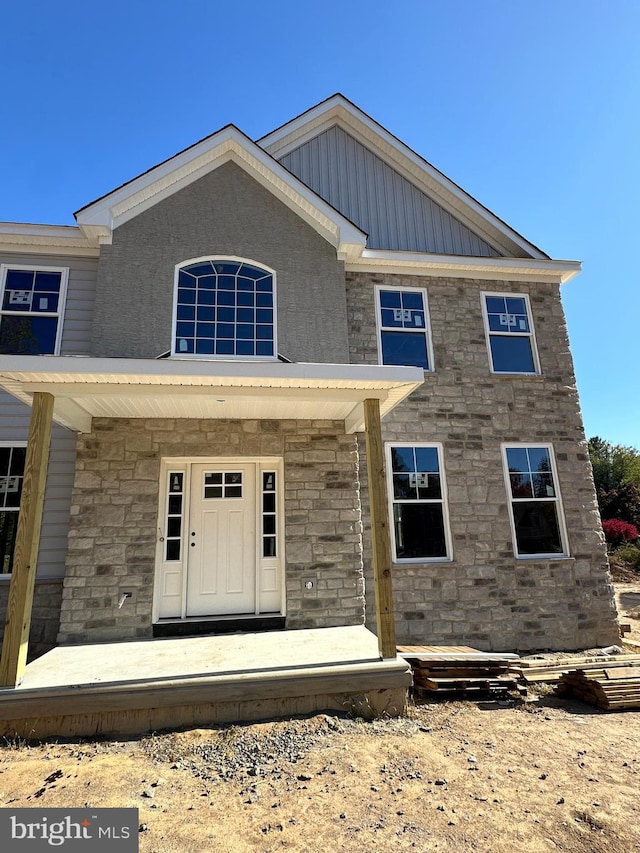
<point x="390" y="209"/>
<point x="15" y="416"/>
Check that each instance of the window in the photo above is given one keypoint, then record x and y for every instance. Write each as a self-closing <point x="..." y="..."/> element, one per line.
<point x="419" y="513"/>
<point x="509" y="333"/>
<point x="225" y="308"/>
<point x="403" y="324"/>
<point x="536" y="511"/>
<point x="11" y="477"/>
<point x="31" y="308"/>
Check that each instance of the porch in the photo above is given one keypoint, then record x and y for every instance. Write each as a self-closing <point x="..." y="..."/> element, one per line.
<point x="138" y="686"/>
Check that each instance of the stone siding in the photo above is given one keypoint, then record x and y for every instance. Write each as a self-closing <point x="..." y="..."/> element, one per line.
<point x="45" y="615"/>
<point x="485" y="597"/>
<point x="114" y="524"/>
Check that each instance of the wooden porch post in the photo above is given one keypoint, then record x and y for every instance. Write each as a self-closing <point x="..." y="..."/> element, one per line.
<point x="379" y="530"/>
<point x="18" y="621"/>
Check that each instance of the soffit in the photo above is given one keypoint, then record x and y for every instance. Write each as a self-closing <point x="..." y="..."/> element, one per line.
<point x="137" y="388"/>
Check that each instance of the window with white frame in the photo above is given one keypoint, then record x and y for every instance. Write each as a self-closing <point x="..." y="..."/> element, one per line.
<point x="535" y="505"/>
<point x="225" y="307"/>
<point x="418" y="502"/>
<point x="403" y="327"/>
<point x="509" y="331"/>
<point x="31" y="308"/>
<point x="11" y="477"/>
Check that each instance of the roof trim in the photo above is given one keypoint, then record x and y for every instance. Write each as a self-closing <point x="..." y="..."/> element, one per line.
<point x="59" y="240"/>
<point x="84" y="388"/>
<point x="339" y="110"/>
<point x="461" y="266"/>
<point x="101" y="217"/>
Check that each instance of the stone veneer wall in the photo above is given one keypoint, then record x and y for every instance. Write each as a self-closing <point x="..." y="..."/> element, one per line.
<point x="485" y="597"/>
<point x="113" y="532"/>
<point x="45" y="615"/>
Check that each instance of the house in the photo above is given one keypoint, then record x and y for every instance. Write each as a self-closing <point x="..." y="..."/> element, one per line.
<point x="213" y="340"/>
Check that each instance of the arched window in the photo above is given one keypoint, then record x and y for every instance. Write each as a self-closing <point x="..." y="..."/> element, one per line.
<point x="224" y="307"/>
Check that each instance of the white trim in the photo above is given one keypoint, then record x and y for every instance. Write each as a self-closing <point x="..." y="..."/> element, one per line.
<point x="464" y="266"/>
<point x="62" y="298"/>
<point x="229" y="144"/>
<point x="62" y="240"/>
<point x="427" y="318"/>
<point x="174" y="316"/>
<point x="337" y="110"/>
<point x="443" y="500"/>
<point x="557" y="499"/>
<point x="185" y="465"/>
<point x="537" y="371"/>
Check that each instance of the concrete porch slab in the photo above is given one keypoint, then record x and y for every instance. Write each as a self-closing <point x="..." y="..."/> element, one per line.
<point x="167" y="683"/>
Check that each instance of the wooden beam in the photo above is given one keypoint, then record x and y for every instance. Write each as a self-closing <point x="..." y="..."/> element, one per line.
<point x="380" y="535"/>
<point x="15" y="642"/>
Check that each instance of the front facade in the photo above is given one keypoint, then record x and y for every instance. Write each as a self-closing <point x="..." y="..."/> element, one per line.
<point x="210" y="332"/>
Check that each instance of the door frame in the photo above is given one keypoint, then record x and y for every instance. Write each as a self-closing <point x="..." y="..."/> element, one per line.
<point x="184" y="464"/>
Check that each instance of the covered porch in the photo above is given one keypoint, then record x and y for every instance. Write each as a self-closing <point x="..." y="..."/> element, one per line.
<point x="74" y="391"/>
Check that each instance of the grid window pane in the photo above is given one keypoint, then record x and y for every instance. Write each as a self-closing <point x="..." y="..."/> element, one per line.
<point x="235" y="289"/>
<point x="403" y="328"/>
<point x="537" y="528"/>
<point x="510" y="334"/>
<point x="419" y="530"/>
<point x="511" y="355"/>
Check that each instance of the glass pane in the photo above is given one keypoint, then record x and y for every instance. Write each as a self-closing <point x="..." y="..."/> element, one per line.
<point x="405" y="348"/>
<point x="173" y="549"/>
<point x="429" y="486"/>
<point x="517" y="459"/>
<point x="516" y="305"/>
<point x="8" y="527"/>
<point x="245" y="348"/>
<point x="539" y="459"/>
<point x="5" y="457"/>
<point x="269" y="546"/>
<point x="211" y="492"/>
<point x="390" y="299"/>
<point x="427" y="459"/>
<point x="20" y="279"/>
<point x="174" y="526"/>
<point x="28" y="335"/>
<point x="404" y="487"/>
<point x="175" y="482"/>
<point x="207" y="282"/>
<point x="269" y="524"/>
<point x="511" y="355"/>
<point x="269" y="502"/>
<point x="235" y="477"/>
<point x="214" y="479"/>
<point x="18" y="456"/>
<point x="175" y="504"/>
<point x="268" y="481"/>
<point x="402" y="459"/>
<point x="419" y="530"/>
<point x="186" y="312"/>
<point x="521" y="485"/>
<point x="204" y="347"/>
<point x="206" y="313"/>
<point x="264" y="348"/>
<point x="496" y="305"/>
<point x="543" y="486"/>
<point x="412" y="300"/>
<point x="233" y="491"/>
<point x="537" y="528"/>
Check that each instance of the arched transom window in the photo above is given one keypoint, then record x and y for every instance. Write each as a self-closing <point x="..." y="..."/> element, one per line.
<point x="225" y="308"/>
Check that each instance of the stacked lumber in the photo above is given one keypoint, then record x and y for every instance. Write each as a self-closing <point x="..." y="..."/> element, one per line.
<point x="549" y="671"/>
<point x="611" y="688"/>
<point x="458" y="669"/>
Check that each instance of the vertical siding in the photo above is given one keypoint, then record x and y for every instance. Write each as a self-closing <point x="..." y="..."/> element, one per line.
<point x="395" y="214"/>
<point x="14" y="416"/>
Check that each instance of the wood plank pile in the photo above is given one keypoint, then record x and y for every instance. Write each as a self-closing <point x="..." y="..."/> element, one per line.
<point x="549" y="671"/>
<point x="611" y="688"/>
<point x="451" y="670"/>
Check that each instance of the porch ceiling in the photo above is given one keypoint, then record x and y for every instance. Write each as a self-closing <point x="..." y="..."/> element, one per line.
<point x="85" y="388"/>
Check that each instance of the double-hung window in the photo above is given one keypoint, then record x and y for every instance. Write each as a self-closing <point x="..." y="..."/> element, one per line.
<point x="11" y="477"/>
<point x="403" y="327"/>
<point x="535" y="505"/>
<point x="225" y="307"/>
<point x="509" y="331"/>
<point x="31" y="307"/>
<point x="418" y="503"/>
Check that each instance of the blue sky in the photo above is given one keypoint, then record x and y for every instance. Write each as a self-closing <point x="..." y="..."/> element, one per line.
<point x="532" y="107"/>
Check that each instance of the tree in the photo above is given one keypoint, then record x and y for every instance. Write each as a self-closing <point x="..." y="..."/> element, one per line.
<point x="616" y="472"/>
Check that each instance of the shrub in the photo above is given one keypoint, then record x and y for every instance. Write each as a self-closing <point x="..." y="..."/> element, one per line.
<point x="628" y="554"/>
<point x="616" y="531"/>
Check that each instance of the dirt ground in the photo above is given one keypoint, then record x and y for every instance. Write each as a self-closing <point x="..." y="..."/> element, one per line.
<point x="539" y="773"/>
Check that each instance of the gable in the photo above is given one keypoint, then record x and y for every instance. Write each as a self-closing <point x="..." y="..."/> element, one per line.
<point x="389" y="208"/>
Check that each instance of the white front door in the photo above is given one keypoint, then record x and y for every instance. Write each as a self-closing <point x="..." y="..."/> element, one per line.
<point x="220" y="540"/>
